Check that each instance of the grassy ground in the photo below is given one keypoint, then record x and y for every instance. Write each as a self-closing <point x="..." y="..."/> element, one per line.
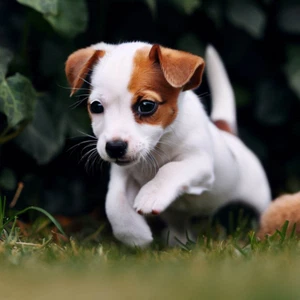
<point x="37" y="263"/>
<point x="40" y="268"/>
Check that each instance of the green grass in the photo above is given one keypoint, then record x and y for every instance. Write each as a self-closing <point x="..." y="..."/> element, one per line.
<point x="36" y="267"/>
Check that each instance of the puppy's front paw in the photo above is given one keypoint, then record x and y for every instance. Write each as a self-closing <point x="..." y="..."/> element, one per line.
<point x="150" y="200"/>
<point x="130" y="228"/>
<point x="135" y="239"/>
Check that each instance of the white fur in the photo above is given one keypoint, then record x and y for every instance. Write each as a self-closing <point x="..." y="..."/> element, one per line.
<point x="221" y="90"/>
<point x="192" y="161"/>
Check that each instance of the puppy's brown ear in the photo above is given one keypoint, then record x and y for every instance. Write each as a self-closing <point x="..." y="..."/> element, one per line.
<point x="181" y="69"/>
<point x="79" y="64"/>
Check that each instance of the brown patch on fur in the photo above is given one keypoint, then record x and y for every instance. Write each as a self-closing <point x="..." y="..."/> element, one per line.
<point x="159" y="75"/>
<point x="147" y="77"/>
<point x="79" y="64"/>
<point x="286" y="207"/>
<point x="181" y="69"/>
<point x="224" y="126"/>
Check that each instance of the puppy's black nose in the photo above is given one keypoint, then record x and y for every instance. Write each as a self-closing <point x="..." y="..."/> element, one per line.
<point x="116" y="149"/>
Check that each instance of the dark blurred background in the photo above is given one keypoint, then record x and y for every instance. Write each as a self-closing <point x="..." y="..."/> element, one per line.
<point x="43" y="132"/>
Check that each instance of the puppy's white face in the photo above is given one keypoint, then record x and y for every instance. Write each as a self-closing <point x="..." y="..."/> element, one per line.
<point x="131" y="103"/>
<point x="135" y="87"/>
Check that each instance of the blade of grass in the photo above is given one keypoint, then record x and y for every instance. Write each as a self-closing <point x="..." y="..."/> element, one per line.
<point x="183" y="245"/>
<point x="189" y="240"/>
<point x="237" y="247"/>
<point x="2" y="210"/>
<point x="51" y="218"/>
<point x="94" y="234"/>
<point x="168" y="238"/>
<point x="252" y="239"/>
<point x="2" y="215"/>
<point x="12" y="230"/>
<point x="293" y="233"/>
<point x="283" y="231"/>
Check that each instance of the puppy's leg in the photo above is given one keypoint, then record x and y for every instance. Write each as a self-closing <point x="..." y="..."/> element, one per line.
<point x="128" y="226"/>
<point x="179" y="229"/>
<point x="190" y="175"/>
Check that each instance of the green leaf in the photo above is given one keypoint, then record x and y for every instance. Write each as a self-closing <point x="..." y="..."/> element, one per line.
<point x="67" y="17"/>
<point x="43" y="138"/>
<point x="288" y="19"/>
<point x="292" y="68"/>
<point x="152" y="6"/>
<point x="272" y="105"/>
<point x="187" y="6"/>
<point x="190" y="43"/>
<point x="71" y="18"/>
<point x="242" y="96"/>
<point x="8" y="179"/>
<point x="46" y="7"/>
<point x="213" y="10"/>
<point x="5" y="58"/>
<point x="247" y="15"/>
<point x="17" y="100"/>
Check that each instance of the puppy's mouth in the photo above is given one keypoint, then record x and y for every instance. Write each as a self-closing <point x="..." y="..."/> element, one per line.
<point x="124" y="161"/>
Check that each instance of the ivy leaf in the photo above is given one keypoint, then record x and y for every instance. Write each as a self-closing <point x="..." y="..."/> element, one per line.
<point x="8" y="179"/>
<point x="187" y="6"/>
<point x="189" y="42"/>
<point x="46" y="7"/>
<point x="43" y="138"/>
<point x="152" y="6"/>
<point x="71" y="18"/>
<point x="288" y="18"/>
<point x="17" y="100"/>
<point x="292" y="68"/>
<point x="213" y="10"/>
<point x="247" y="15"/>
<point x="5" y="58"/>
<point x="242" y="96"/>
<point x="273" y="107"/>
<point x="67" y="17"/>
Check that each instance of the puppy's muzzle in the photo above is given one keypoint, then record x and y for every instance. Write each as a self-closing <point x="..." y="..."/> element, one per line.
<point x="116" y="149"/>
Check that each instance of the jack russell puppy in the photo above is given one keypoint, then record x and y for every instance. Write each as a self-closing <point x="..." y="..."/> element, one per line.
<point x="168" y="157"/>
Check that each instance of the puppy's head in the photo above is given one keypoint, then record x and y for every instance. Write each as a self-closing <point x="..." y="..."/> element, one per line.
<point x="134" y="93"/>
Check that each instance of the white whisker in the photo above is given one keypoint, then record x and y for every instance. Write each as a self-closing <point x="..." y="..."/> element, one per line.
<point x="86" y="81"/>
<point x="77" y="103"/>
<point x="89" y="142"/>
<point x="93" y="154"/>
<point x="88" y="135"/>
<point x="73" y="88"/>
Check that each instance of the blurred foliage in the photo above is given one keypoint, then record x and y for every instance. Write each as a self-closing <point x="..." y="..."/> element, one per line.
<point x="44" y="138"/>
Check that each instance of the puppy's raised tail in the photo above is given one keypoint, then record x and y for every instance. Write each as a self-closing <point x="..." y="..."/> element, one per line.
<point x="223" y="101"/>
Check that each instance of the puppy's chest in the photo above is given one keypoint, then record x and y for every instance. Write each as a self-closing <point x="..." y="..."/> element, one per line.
<point x="147" y="169"/>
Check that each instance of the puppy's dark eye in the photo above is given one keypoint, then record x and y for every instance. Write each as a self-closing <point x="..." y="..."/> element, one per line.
<point x="147" y="107"/>
<point x="97" y="107"/>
